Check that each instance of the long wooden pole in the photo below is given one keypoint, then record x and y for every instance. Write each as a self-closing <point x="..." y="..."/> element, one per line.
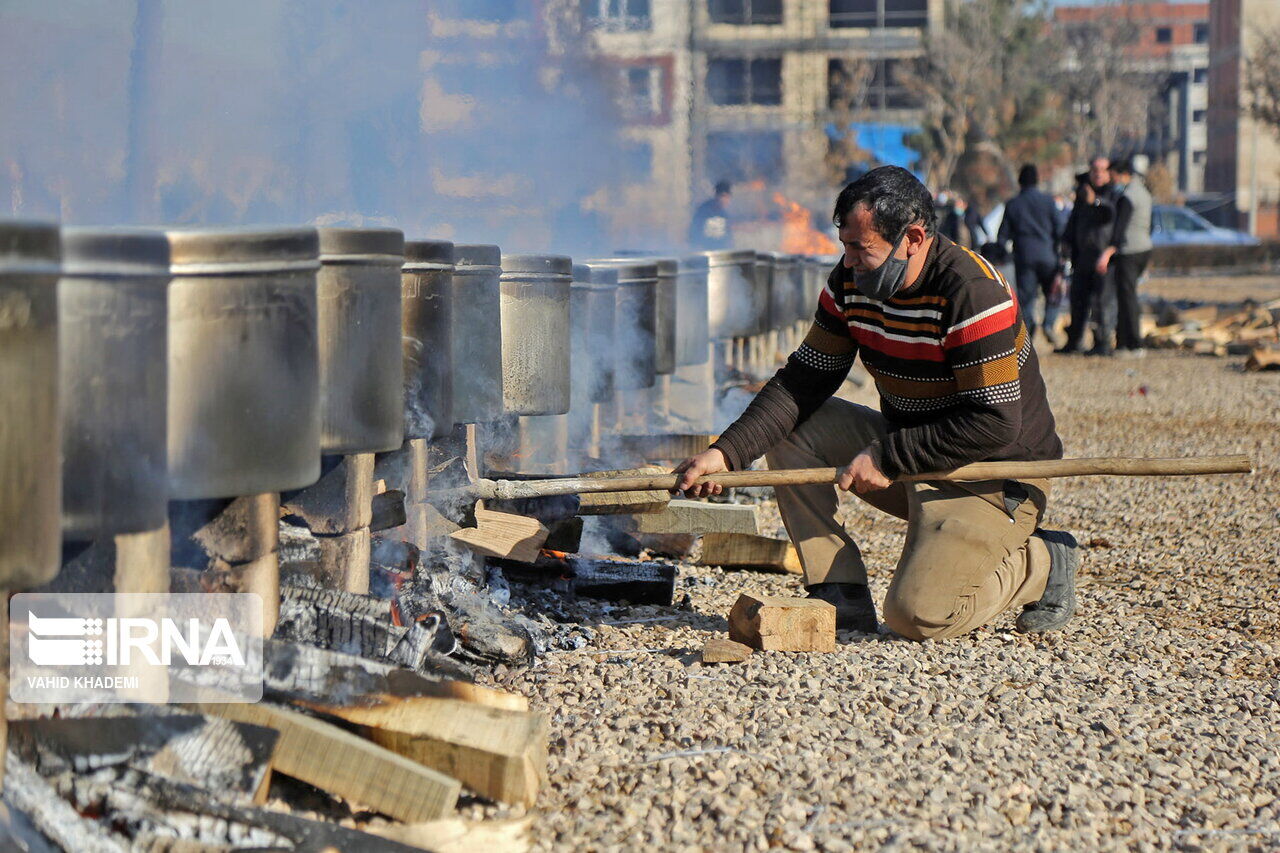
<point x="1109" y="466"/>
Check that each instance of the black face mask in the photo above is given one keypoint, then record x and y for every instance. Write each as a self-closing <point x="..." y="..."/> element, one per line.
<point x="885" y="280"/>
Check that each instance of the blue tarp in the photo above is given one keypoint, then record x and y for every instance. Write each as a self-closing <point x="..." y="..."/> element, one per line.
<point x="886" y="142"/>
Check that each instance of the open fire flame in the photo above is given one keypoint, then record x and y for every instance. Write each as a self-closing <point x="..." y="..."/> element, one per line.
<point x="799" y="237"/>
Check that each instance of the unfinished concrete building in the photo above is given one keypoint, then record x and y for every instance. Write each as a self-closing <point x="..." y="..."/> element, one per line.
<point x="748" y="91"/>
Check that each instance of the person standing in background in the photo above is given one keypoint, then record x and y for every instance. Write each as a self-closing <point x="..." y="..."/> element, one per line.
<point x="1031" y="223"/>
<point x="1128" y="254"/>
<point x="1088" y="235"/>
<point x="710" y="228"/>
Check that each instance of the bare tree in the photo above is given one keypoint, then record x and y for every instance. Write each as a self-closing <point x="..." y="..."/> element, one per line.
<point x="982" y="83"/>
<point x="1262" y="78"/>
<point x="1108" y="93"/>
<point x="849" y="84"/>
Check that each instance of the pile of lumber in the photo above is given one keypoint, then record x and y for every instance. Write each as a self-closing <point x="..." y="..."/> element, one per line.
<point x="1250" y="329"/>
<point x="384" y="753"/>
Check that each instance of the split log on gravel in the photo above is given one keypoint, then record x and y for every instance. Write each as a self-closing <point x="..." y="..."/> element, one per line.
<point x="458" y="835"/>
<point x="1263" y="358"/>
<point x="503" y="535"/>
<point x="720" y="650"/>
<point x="346" y="765"/>
<point x="499" y="754"/>
<point x="777" y="623"/>
<point x="698" y="517"/>
<point x="56" y="818"/>
<point x="293" y="671"/>
<point x="740" y="550"/>
<point x="617" y="503"/>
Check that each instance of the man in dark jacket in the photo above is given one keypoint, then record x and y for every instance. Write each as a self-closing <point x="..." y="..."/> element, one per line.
<point x="710" y="228"/>
<point x="1031" y="222"/>
<point x="1129" y="253"/>
<point x="939" y="330"/>
<point x="1089" y="232"/>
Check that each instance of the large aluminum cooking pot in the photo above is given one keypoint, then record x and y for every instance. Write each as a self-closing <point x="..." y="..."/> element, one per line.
<point x="113" y="380"/>
<point x="427" y="298"/>
<point x="635" y="322"/>
<point x="799" y="274"/>
<point x="737" y="301"/>
<point x="593" y="305"/>
<point x="784" y="289"/>
<point x="361" y="366"/>
<point x="819" y="268"/>
<point x="693" y="330"/>
<point x="535" y="334"/>
<point x="666" y="307"/>
<point x="30" y="442"/>
<point x="477" y="338"/>
<point x="244" y="369"/>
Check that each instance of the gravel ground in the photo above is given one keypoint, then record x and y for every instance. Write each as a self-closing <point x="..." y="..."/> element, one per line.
<point x="1151" y="723"/>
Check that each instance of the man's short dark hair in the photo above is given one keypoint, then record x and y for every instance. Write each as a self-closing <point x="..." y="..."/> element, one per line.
<point x="723" y="188"/>
<point x="1029" y="176"/>
<point x="1122" y="167"/>
<point x="896" y="199"/>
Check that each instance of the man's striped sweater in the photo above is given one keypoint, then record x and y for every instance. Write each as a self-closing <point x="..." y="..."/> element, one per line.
<point x="958" y="378"/>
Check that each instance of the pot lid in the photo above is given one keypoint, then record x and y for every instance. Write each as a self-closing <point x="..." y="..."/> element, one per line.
<point x="220" y="251"/>
<point x="348" y="242"/>
<point x="114" y="251"/>
<point x="537" y="264"/>
<point x="28" y="245"/>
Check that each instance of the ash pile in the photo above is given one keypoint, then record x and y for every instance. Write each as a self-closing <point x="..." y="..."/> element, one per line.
<point x="297" y="413"/>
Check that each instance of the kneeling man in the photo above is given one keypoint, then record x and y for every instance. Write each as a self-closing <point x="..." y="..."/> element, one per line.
<point x="939" y="330"/>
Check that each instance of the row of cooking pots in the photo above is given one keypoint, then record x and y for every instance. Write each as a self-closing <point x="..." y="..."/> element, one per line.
<point x="215" y="363"/>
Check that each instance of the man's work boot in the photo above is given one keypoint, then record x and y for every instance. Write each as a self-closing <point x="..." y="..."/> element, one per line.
<point x="855" y="611"/>
<point x="1055" y="607"/>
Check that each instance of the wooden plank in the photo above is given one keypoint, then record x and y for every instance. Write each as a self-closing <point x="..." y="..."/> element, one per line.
<point x="777" y="623"/>
<point x="503" y="535"/>
<point x="720" y="650"/>
<point x="667" y="447"/>
<point x="1263" y="358"/>
<point x="700" y="517"/>
<point x="346" y="765"/>
<point x="733" y="550"/>
<point x="635" y="581"/>
<point x="619" y="503"/>
<point x="388" y="510"/>
<point x="498" y="754"/>
<point x="458" y="835"/>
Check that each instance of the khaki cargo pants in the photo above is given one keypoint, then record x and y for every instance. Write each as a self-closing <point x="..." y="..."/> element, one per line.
<point x="969" y="553"/>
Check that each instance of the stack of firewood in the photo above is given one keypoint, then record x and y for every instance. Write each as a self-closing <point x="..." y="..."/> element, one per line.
<point x="1250" y="329"/>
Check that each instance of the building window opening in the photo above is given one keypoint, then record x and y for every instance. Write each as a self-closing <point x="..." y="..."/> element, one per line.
<point x="617" y="15"/>
<point x="878" y="14"/>
<point x="739" y="82"/>
<point x="744" y="156"/>
<point x="1164" y="35"/>
<point x="745" y="12"/>
<point x="1198" y="116"/>
<point x="641" y="87"/>
<point x="1200" y="75"/>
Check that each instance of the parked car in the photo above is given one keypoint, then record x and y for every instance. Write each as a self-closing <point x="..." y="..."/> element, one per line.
<point x="1172" y="225"/>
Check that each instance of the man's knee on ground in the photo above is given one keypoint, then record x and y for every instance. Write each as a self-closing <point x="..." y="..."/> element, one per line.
<point x="916" y="617"/>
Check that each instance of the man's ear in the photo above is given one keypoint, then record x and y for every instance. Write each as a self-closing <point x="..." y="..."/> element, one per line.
<point x="916" y="236"/>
